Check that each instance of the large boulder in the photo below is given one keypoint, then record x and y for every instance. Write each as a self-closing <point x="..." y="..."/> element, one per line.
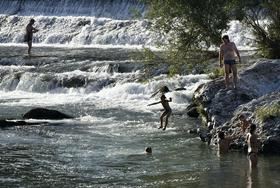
<point x="218" y="103"/>
<point x="258" y="86"/>
<point x="268" y="129"/>
<point x="42" y="113"/>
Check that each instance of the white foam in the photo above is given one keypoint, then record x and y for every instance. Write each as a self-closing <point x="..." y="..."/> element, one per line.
<point x="132" y="96"/>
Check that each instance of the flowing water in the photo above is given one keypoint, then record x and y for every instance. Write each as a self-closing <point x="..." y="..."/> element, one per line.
<point x="91" y="75"/>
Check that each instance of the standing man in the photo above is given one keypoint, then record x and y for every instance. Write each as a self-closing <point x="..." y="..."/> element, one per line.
<point x="29" y="34"/>
<point x="253" y="146"/>
<point x="228" y="51"/>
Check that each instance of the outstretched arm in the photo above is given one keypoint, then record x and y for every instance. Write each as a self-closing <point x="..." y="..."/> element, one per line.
<point x="154" y="103"/>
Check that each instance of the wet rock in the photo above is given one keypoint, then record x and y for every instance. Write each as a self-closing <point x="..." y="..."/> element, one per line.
<point x="192" y="110"/>
<point x="42" y="113"/>
<point x="11" y="123"/>
<point x="259" y="86"/>
<point x="75" y="82"/>
<point x="221" y="102"/>
<point x="271" y="145"/>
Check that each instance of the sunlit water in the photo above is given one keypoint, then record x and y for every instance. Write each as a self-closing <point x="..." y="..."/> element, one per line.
<point x="103" y="146"/>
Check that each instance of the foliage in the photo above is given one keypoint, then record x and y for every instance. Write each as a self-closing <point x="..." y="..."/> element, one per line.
<point x="136" y="14"/>
<point x="192" y="26"/>
<point x="268" y="112"/>
<point x="253" y="13"/>
<point x="216" y="73"/>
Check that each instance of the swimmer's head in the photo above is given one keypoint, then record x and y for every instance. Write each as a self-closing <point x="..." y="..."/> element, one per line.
<point x="148" y="150"/>
<point x="162" y="97"/>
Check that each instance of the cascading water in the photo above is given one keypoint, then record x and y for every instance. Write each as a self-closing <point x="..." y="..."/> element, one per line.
<point x="72" y="23"/>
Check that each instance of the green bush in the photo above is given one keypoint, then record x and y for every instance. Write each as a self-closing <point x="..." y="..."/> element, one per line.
<point x="268" y="112"/>
<point x="216" y="73"/>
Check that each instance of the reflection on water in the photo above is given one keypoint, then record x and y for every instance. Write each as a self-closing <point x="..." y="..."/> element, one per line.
<point x="252" y="176"/>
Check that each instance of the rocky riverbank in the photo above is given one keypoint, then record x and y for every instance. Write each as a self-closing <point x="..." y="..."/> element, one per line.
<point x="257" y="97"/>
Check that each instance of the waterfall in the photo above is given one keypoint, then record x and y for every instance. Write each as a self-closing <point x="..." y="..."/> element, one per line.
<point x="72" y="22"/>
<point x="117" y="9"/>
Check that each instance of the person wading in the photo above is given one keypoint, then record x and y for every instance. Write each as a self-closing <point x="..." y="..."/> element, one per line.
<point x="29" y="34"/>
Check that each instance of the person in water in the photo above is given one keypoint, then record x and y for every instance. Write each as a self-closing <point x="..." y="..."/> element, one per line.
<point x="227" y="54"/>
<point x="244" y="123"/>
<point x="29" y="34"/>
<point x="253" y="146"/>
<point x="224" y="142"/>
<point x="167" y="110"/>
<point x="148" y="150"/>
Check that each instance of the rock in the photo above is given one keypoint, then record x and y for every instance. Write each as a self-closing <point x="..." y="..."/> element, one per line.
<point x="192" y="110"/>
<point x="259" y="86"/>
<point x="271" y="145"/>
<point x="193" y="131"/>
<point x="253" y="82"/>
<point x="11" y="123"/>
<point x="42" y="113"/>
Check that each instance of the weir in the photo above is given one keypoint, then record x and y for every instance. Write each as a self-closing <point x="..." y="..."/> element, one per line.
<point x="120" y="9"/>
<point x="76" y="23"/>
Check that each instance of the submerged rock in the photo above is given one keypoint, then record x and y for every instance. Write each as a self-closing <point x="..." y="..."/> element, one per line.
<point x="42" y="113"/>
<point x="11" y="123"/>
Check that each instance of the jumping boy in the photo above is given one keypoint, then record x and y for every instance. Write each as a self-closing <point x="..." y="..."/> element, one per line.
<point x="167" y="110"/>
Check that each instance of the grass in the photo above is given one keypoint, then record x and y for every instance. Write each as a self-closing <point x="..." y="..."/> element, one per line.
<point x="268" y="112"/>
<point x="216" y="73"/>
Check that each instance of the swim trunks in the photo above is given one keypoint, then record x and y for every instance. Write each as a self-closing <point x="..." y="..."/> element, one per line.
<point x="27" y="38"/>
<point x="229" y="62"/>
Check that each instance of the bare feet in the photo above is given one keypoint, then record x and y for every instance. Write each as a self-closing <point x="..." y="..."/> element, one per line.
<point x="164" y="128"/>
<point x="160" y="127"/>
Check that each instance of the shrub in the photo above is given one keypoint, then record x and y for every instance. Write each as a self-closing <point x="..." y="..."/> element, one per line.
<point x="268" y="112"/>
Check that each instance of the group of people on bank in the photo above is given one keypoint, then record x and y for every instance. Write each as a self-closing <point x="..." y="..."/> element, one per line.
<point x="227" y="56"/>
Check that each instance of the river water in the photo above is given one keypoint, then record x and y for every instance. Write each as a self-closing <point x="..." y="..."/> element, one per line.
<point x="103" y="146"/>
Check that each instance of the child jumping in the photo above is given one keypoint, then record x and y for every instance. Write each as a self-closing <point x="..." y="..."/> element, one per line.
<point x="167" y="110"/>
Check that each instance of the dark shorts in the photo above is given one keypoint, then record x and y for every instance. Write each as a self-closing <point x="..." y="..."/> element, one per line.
<point x="168" y="112"/>
<point x="252" y="153"/>
<point x="27" y="38"/>
<point x="229" y="62"/>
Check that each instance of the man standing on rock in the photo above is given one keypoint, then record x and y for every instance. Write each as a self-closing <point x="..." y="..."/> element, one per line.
<point x="228" y="51"/>
<point x="29" y="34"/>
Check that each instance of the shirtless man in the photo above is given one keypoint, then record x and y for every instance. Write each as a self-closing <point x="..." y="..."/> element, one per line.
<point x="227" y="54"/>
<point x="29" y="34"/>
<point x="224" y="142"/>
<point x="253" y="146"/>
<point x="167" y="110"/>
